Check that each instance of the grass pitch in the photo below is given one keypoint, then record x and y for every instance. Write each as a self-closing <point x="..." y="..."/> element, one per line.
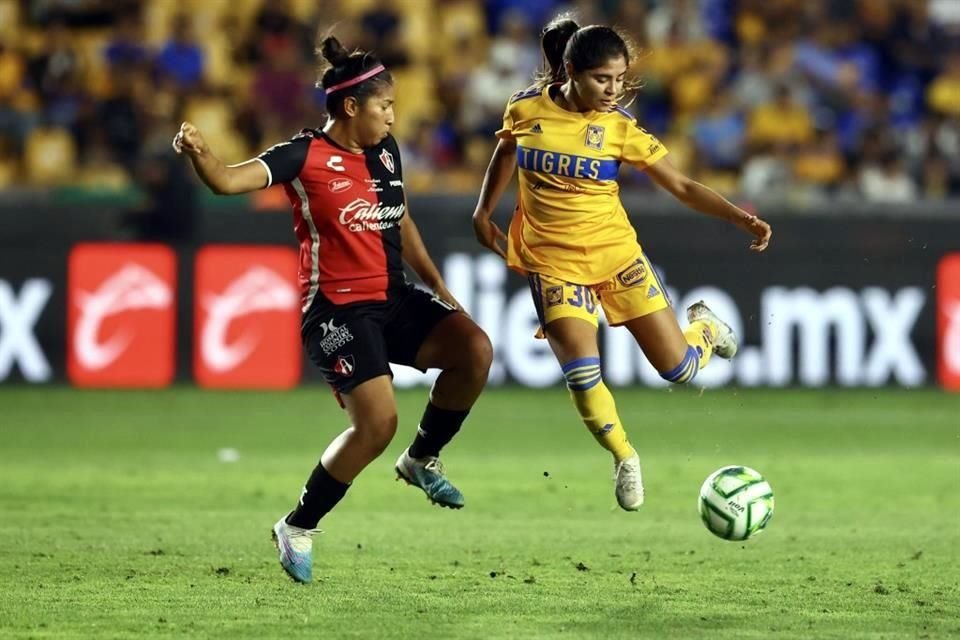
<point x="118" y="518"/>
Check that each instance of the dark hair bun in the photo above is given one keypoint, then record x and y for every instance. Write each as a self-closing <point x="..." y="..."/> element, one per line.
<point x="561" y="27"/>
<point x="333" y="52"/>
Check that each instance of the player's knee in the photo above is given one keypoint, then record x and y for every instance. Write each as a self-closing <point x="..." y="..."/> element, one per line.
<point x="583" y="374"/>
<point x="686" y="370"/>
<point x="479" y="351"/>
<point x="377" y="433"/>
<point x="474" y="353"/>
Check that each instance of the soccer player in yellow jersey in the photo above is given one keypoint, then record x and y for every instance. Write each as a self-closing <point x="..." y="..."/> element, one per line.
<point x="571" y="237"/>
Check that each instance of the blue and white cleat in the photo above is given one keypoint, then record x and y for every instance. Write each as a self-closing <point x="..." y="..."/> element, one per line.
<point x="427" y="474"/>
<point x="725" y="343"/>
<point x="296" y="549"/>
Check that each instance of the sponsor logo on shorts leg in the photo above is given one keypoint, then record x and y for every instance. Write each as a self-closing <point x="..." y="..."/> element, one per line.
<point x="554" y="296"/>
<point x="334" y="336"/>
<point x="634" y="274"/>
<point x="344" y="366"/>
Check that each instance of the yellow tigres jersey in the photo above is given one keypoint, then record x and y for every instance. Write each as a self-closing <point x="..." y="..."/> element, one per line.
<point x="569" y="221"/>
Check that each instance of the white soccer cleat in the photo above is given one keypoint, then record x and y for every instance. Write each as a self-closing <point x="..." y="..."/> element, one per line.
<point x="725" y="343"/>
<point x="295" y="546"/>
<point x="629" y="483"/>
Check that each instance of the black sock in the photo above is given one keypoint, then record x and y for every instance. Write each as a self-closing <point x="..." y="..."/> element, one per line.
<point x="437" y="428"/>
<point x="321" y="494"/>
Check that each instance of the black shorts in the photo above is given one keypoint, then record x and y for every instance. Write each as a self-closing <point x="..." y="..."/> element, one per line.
<point x="356" y="342"/>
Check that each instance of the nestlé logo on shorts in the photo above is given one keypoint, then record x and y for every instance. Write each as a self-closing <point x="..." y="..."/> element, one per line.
<point x="634" y="274"/>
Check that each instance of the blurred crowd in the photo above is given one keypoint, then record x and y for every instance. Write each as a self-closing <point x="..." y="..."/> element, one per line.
<point x="804" y="100"/>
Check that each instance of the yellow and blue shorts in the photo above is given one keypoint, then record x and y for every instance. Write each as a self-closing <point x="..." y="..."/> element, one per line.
<point x="634" y="291"/>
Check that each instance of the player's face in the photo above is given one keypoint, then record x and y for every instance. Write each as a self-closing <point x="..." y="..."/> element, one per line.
<point x="600" y="88"/>
<point x="376" y="117"/>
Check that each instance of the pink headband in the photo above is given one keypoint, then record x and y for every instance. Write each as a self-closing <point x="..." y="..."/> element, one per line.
<point x="360" y="78"/>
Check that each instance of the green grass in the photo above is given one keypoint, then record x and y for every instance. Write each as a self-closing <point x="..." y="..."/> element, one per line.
<point x="117" y="519"/>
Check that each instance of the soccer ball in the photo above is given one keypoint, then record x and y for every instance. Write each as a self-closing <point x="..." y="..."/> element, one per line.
<point x="735" y="503"/>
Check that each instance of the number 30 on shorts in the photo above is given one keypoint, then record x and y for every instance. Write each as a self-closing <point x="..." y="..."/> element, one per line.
<point x="555" y="299"/>
<point x="571" y="295"/>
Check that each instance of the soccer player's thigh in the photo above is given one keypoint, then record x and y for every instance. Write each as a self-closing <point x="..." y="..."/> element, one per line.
<point x="372" y="407"/>
<point x="455" y="341"/>
<point x="635" y="298"/>
<point x="658" y="334"/>
<point x="568" y="315"/>
<point x="425" y="332"/>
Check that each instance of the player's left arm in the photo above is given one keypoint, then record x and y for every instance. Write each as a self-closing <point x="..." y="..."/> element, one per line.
<point x="416" y="255"/>
<point x="705" y="200"/>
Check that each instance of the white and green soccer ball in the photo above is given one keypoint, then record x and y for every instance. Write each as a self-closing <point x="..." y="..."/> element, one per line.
<point x="735" y="503"/>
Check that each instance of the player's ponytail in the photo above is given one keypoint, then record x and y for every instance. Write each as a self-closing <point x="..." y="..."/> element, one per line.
<point x="348" y="74"/>
<point x="590" y="47"/>
<point x="553" y="41"/>
<point x="333" y="52"/>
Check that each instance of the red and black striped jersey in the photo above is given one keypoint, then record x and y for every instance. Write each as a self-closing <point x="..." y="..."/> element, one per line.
<point x="347" y="209"/>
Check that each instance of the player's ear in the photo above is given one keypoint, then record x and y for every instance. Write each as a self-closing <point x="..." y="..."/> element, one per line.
<point x="568" y="67"/>
<point x="351" y="106"/>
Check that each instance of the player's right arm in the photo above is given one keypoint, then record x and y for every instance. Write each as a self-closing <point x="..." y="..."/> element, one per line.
<point x="220" y="178"/>
<point x="499" y="174"/>
<point x="495" y="180"/>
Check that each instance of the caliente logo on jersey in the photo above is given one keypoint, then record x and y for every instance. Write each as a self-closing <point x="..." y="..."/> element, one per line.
<point x="362" y="215"/>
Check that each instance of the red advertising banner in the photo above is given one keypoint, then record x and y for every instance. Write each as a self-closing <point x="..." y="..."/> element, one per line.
<point x="948" y="321"/>
<point x="246" y="318"/>
<point x="121" y="315"/>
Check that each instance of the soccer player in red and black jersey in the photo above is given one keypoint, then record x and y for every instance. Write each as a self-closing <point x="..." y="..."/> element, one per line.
<point x="345" y="183"/>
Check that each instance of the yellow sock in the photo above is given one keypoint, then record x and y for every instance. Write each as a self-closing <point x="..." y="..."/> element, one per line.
<point x="700" y="335"/>
<point x="596" y="406"/>
<point x="599" y="413"/>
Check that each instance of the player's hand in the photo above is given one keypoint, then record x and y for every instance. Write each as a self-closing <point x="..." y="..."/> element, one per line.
<point x="489" y="234"/>
<point x="189" y="140"/>
<point x="758" y="228"/>
<point x="440" y="290"/>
